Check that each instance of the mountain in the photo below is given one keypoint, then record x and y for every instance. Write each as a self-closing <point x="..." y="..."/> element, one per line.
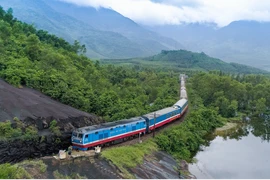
<point x="182" y="60"/>
<point x="97" y="29"/>
<point x="104" y="19"/>
<point x="244" y="42"/>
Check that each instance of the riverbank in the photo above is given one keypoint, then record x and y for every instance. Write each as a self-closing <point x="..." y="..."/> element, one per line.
<point x="227" y="126"/>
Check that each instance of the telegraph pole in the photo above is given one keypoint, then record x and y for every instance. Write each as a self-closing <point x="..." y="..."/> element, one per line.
<point x="154" y="125"/>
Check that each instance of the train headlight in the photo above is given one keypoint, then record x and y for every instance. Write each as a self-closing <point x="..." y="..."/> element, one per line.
<point x="80" y="141"/>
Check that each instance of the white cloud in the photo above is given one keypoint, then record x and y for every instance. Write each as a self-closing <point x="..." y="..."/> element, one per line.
<point x="158" y="12"/>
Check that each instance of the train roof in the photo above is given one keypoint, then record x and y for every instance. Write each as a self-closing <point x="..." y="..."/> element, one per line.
<point x="108" y="125"/>
<point x="159" y="112"/>
<point x="180" y="103"/>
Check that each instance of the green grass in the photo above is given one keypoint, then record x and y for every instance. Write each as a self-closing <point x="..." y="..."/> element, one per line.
<point x="129" y="156"/>
<point x="58" y="175"/>
<point x="20" y="170"/>
<point x="42" y="167"/>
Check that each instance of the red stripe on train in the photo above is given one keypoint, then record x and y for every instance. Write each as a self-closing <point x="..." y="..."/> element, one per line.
<point x="169" y="120"/>
<point x="132" y="133"/>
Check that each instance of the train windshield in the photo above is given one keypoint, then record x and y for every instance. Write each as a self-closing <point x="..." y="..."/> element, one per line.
<point x="80" y="136"/>
<point x="74" y="134"/>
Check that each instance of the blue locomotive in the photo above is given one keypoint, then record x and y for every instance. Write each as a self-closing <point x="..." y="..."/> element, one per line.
<point x="109" y="133"/>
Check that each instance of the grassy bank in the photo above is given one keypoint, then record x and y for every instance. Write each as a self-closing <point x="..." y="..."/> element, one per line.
<point x="129" y="156"/>
<point x="23" y="170"/>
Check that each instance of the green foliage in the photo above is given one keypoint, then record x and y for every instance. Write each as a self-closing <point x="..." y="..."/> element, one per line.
<point x="7" y="131"/>
<point x="31" y="132"/>
<point x="42" y="139"/>
<point x="19" y="170"/>
<point x="17" y="131"/>
<point x="9" y="171"/>
<point x="42" y="167"/>
<point x="232" y="93"/>
<point x="57" y="140"/>
<point x="58" y="175"/>
<point x="184" y="140"/>
<point x="129" y="156"/>
<point x="261" y="105"/>
<point x="54" y="128"/>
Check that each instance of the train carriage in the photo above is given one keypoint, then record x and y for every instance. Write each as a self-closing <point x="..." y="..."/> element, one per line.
<point x="163" y="116"/>
<point x="182" y="104"/>
<point x="90" y="136"/>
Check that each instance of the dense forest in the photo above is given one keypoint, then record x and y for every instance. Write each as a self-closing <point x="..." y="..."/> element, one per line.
<point x="36" y="59"/>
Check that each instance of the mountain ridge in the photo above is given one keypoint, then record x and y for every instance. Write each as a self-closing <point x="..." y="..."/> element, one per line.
<point x="182" y="60"/>
<point x="242" y="41"/>
<point x="100" y="43"/>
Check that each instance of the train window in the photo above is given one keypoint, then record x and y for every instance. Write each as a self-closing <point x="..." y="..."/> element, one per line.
<point x="80" y="136"/>
<point x="137" y="123"/>
<point x="74" y="134"/>
<point x="111" y="129"/>
<point x="96" y="132"/>
<point x="86" y="136"/>
<point x="124" y="126"/>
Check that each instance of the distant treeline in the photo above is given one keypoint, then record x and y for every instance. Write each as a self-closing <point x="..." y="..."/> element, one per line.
<point x="183" y="60"/>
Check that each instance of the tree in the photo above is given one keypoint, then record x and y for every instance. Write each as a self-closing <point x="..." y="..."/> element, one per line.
<point x="33" y="47"/>
<point x="260" y="105"/>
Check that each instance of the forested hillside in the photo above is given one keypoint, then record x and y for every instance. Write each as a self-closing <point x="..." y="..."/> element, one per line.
<point x="182" y="60"/>
<point x="36" y="59"/>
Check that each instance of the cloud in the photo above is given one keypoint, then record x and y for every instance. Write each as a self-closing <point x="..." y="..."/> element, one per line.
<point x="158" y="12"/>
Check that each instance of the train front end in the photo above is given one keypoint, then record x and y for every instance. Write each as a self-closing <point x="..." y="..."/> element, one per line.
<point x="77" y="140"/>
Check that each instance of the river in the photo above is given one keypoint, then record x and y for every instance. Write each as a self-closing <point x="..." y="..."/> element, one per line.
<point x="241" y="152"/>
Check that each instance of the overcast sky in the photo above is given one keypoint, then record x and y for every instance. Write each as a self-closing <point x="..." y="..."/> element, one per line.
<point x="159" y="12"/>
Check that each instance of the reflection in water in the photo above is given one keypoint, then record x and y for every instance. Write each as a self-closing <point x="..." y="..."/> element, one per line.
<point x="261" y="128"/>
<point x="241" y="152"/>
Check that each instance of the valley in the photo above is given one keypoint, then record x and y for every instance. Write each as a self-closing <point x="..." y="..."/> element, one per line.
<point x="64" y="66"/>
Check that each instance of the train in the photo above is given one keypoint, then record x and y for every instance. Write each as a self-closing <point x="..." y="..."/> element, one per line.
<point x="105" y="134"/>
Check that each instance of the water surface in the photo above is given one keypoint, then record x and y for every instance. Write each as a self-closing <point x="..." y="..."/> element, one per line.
<point x="242" y="152"/>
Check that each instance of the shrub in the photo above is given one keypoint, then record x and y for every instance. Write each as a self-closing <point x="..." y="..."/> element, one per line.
<point x="54" y="128"/>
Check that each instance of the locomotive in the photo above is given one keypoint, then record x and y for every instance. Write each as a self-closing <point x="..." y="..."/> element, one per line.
<point x="113" y="132"/>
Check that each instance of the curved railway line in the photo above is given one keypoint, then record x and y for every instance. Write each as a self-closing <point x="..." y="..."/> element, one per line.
<point x="128" y="131"/>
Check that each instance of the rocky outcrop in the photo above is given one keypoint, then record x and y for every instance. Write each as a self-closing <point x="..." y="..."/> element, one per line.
<point x="15" y="150"/>
<point x="18" y="150"/>
<point x="184" y="172"/>
<point x="36" y="109"/>
<point x="29" y="104"/>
